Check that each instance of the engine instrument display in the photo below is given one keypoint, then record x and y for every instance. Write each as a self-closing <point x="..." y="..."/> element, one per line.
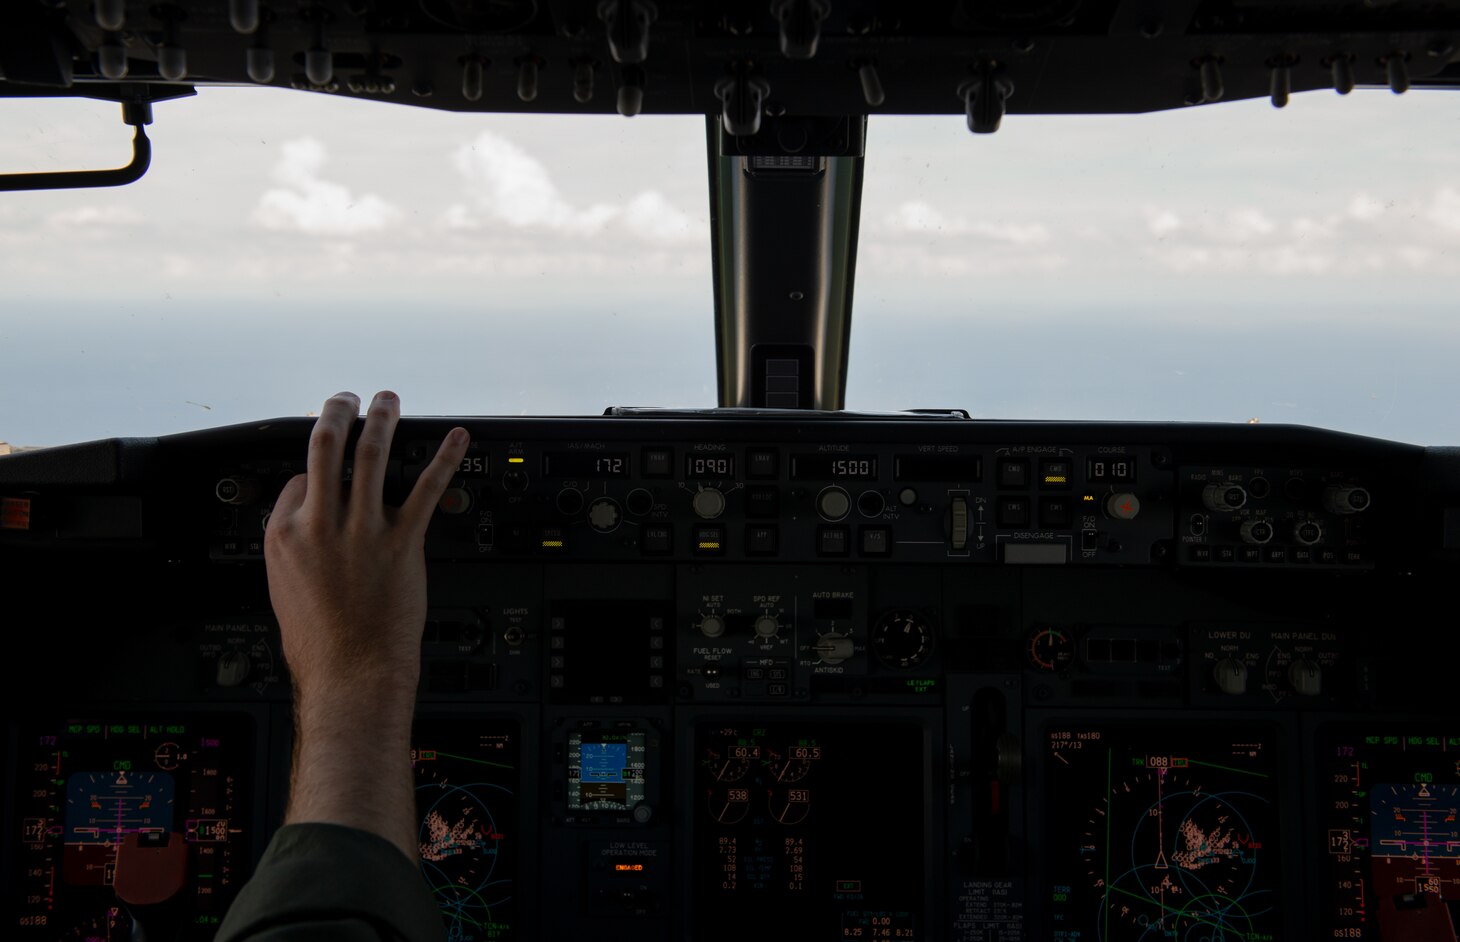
<point x="1162" y="832"/>
<point x="130" y="826"/>
<point x="468" y="781"/>
<point x="1390" y="821"/>
<point x="782" y="824"/>
<point x="606" y="769"/>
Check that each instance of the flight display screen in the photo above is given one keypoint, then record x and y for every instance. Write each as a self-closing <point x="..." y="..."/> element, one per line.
<point x="130" y="825"/>
<point x="606" y="769"/>
<point x="833" y="467"/>
<point x="585" y="464"/>
<point x="1162" y="831"/>
<point x="774" y="832"/>
<point x="1389" y="822"/>
<point x="468" y="775"/>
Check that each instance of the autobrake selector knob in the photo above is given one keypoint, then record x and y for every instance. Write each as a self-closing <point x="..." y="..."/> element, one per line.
<point x="1224" y="497"/>
<point x="708" y="503"/>
<point x="1345" y="500"/>
<point x="833" y="648"/>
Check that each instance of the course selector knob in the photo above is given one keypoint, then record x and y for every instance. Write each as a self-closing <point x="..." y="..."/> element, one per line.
<point x="1223" y="497"/>
<point x="1123" y="506"/>
<point x="708" y="503"/>
<point x="1230" y="676"/>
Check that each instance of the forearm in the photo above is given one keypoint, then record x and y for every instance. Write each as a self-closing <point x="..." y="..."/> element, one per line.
<point x="350" y="761"/>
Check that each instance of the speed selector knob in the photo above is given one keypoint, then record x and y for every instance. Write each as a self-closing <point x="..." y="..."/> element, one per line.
<point x="1223" y="497"/>
<point x="712" y="626"/>
<point x="1230" y="676"/>
<point x="1256" y="531"/>
<point x="834" y="648"/>
<point x="767" y="626"/>
<point x="233" y="668"/>
<point x="708" y="503"/>
<point x="1345" y="500"/>
<point x="1306" y="677"/>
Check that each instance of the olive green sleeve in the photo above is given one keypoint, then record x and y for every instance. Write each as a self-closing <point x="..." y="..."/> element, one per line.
<point x="330" y="882"/>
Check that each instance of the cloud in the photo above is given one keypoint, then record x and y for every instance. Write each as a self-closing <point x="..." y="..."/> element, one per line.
<point x="303" y="202"/>
<point x="919" y="217"/>
<point x="506" y="184"/>
<point x="1445" y="210"/>
<point x="94" y="217"/>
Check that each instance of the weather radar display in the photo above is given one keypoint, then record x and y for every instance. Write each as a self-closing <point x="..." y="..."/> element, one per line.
<point x="467" y="785"/>
<point x="1162" y="833"/>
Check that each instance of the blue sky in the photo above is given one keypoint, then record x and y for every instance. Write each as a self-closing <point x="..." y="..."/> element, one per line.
<point x="1222" y="263"/>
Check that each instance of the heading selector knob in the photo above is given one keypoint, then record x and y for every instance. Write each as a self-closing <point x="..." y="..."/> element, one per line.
<point x="1224" y="497"/>
<point x="708" y="503"/>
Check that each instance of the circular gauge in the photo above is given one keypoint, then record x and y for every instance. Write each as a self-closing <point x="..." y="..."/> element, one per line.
<point x="729" y="768"/>
<point x="902" y="639"/>
<point x="790" y="805"/>
<point x="729" y="805"/>
<point x="168" y="755"/>
<point x="1050" y="649"/>
<point x="787" y="768"/>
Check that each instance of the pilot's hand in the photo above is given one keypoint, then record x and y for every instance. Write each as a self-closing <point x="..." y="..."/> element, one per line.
<point x="347" y="574"/>
<point x="347" y="578"/>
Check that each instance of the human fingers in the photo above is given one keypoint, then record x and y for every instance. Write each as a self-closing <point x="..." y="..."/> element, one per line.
<point x="326" y="459"/>
<point x="371" y="452"/>
<point x="416" y="511"/>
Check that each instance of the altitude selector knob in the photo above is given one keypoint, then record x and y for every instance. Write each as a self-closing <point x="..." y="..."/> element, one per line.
<point x="1230" y="676"/>
<point x="1224" y="497"/>
<point x="708" y="503"/>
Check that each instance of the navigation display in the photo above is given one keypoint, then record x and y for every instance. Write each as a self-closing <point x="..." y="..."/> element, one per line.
<point x="468" y="776"/>
<point x="1162" y="832"/>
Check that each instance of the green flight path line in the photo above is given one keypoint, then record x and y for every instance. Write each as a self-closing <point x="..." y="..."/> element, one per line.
<point x="495" y="765"/>
<point x="1179" y="912"/>
<point x="1228" y="768"/>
